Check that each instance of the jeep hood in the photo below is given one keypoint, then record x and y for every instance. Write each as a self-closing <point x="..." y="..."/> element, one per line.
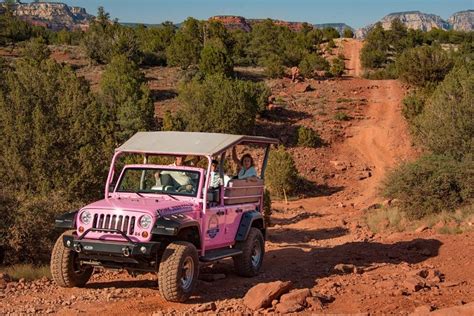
<point x="148" y="205"/>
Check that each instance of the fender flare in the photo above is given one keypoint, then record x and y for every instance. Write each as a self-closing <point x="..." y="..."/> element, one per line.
<point x="66" y="220"/>
<point x="246" y="223"/>
<point x="172" y="226"/>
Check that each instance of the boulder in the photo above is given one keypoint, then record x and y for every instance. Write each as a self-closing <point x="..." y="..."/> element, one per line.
<point x="296" y="297"/>
<point x="262" y="295"/>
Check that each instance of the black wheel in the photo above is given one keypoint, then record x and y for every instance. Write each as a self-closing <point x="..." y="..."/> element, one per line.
<point x="248" y="264"/>
<point x="179" y="269"/>
<point x="66" y="268"/>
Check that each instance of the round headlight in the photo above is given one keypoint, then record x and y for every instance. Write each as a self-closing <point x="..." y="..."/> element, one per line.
<point x="86" y="217"/>
<point x="145" y="221"/>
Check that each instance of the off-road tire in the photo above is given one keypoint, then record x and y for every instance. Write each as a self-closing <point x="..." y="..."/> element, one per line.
<point x="244" y="265"/>
<point x="172" y="271"/>
<point x="64" y="266"/>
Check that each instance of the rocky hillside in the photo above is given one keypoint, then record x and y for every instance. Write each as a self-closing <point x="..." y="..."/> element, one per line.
<point x="55" y="16"/>
<point x="462" y="21"/>
<point x="417" y="20"/>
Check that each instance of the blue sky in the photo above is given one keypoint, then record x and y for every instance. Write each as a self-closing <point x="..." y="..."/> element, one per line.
<point x="356" y="13"/>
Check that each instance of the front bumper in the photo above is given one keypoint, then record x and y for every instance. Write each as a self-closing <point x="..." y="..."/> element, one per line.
<point x="126" y="248"/>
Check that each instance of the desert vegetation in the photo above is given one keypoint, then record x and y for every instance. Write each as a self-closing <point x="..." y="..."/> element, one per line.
<point x="437" y="65"/>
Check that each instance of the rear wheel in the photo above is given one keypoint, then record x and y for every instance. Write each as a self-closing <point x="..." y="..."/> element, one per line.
<point x="248" y="264"/>
<point x="179" y="269"/>
<point x="66" y="268"/>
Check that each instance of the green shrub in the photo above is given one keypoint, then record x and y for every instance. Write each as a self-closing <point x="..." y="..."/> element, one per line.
<point x="105" y="39"/>
<point x="281" y="175"/>
<point x="446" y="124"/>
<point x="185" y="48"/>
<point x="341" y="116"/>
<point x="127" y="97"/>
<point x="389" y="72"/>
<point x="274" y="67"/>
<point x="422" y="66"/>
<point x="413" y="105"/>
<point x="215" y="59"/>
<point x="36" y="49"/>
<point x="430" y="185"/>
<point x="220" y="104"/>
<point x="311" y="63"/>
<point x="337" y="67"/>
<point x="32" y="235"/>
<point x="267" y="208"/>
<point x="307" y="137"/>
<point x="348" y="33"/>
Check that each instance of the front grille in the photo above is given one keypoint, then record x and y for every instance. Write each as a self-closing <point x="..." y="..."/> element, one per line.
<point x="124" y="223"/>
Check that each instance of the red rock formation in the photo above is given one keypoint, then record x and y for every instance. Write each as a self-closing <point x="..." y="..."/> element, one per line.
<point x="232" y="22"/>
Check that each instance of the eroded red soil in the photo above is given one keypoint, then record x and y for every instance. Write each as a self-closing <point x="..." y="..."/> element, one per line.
<point x="311" y="235"/>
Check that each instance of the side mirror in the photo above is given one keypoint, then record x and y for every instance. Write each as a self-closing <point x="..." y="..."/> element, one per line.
<point x="112" y="186"/>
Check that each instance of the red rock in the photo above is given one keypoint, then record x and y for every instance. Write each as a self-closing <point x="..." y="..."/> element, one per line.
<point x="285" y="308"/>
<point x="414" y="283"/>
<point x="302" y="87"/>
<point x="314" y="303"/>
<point x="296" y="297"/>
<point x="422" y="310"/>
<point x="262" y="295"/>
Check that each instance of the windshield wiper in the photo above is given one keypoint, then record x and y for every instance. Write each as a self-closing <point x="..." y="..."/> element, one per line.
<point x="171" y="196"/>
<point x="139" y="194"/>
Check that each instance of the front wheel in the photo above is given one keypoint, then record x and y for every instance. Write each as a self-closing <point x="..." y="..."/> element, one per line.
<point x="248" y="264"/>
<point x="66" y="268"/>
<point x="179" y="269"/>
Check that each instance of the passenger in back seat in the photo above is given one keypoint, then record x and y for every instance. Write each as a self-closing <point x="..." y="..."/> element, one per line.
<point x="246" y="166"/>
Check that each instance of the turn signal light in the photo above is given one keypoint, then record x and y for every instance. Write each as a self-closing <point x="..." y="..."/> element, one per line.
<point x="81" y="229"/>
<point x="144" y="234"/>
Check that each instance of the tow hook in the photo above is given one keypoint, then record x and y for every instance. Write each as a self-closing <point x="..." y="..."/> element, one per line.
<point x="126" y="251"/>
<point x="78" y="247"/>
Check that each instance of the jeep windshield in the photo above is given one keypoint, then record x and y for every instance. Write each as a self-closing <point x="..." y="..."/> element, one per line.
<point x="159" y="181"/>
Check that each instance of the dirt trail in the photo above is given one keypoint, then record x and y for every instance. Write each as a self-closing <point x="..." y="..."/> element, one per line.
<point x="310" y="236"/>
<point x="352" y="53"/>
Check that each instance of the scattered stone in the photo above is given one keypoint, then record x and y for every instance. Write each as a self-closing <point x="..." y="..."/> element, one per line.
<point x="301" y="87"/>
<point x="422" y="310"/>
<point x="314" y="303"/>
<point x="210" y="277"/>
<point x="206" y="307"/>
<point x="285" y="308"/>
<point x="414" y="283"/>
<point x="262" y="295"/>
<point x="421" y="229"/>
<point x="343" y="268"/>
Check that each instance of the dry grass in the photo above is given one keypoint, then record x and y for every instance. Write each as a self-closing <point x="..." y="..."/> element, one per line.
<point x="26" y="271"/>
<point x="393" y="220"/>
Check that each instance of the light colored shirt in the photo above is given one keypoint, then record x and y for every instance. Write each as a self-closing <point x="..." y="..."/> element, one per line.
<point x="216" y="181"/>
<point x="247" y="173"/>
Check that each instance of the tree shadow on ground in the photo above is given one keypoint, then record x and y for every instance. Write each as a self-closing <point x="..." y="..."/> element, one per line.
<point x="284" y="115"/>
<point x="293" y="220"/>
<point x="301" y="237"/>
<point x="163" y="94"/>
<point x="304" y="266"/>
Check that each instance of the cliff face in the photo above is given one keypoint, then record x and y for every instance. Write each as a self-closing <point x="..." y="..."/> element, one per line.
<point x="233" y="22"/>
<point x="417" y="20"/>
<point x="462" y="21"/>
<point x="241" y="23"/>
<point x="55" y="16"/>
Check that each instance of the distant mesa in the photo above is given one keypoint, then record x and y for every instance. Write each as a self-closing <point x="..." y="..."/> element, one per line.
<point x="53" y="15"/>
<point x="462" y="21"/>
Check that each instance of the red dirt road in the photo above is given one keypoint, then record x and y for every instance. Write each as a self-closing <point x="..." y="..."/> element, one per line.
<point x="311" y="236"/>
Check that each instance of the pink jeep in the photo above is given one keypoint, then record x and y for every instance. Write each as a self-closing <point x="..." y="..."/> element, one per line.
<point x="167" y="218"/>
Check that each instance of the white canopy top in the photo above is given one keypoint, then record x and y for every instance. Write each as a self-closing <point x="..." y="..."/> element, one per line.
<point x="187" y="143"/>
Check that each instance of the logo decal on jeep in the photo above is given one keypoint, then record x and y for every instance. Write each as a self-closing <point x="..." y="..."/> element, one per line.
<point x="213" y="226"/>
<point x="88" y="248"/>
